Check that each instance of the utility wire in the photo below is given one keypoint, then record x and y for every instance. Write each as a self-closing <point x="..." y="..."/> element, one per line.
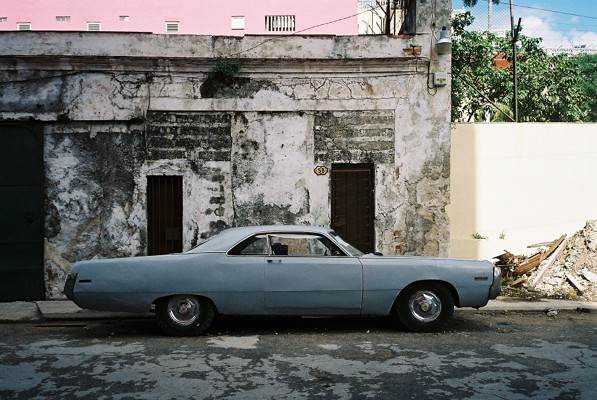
<point x="483" y="95"/>
<point x="553" y="11"/>
<point x="370" y="9"/>
<point x="548" y="10"/>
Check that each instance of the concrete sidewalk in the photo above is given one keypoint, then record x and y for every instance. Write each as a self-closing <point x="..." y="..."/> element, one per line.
<point x="67" y="310"/>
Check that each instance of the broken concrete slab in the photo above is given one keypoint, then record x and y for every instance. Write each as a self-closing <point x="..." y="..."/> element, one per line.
<point x="590" y="276"/>
<point x="19" y="311"/>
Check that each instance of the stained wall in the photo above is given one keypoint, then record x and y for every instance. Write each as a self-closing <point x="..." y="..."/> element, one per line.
<point x="118" y="108"/>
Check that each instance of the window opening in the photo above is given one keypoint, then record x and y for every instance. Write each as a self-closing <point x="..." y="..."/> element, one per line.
<point x="172" y="27"/>
<point x="94" y="27"/>
<point x="280" y="23"/>
<point x="237" y="22"/>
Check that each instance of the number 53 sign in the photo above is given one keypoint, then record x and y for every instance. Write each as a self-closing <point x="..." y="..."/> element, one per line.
<point x="321" y="170"/>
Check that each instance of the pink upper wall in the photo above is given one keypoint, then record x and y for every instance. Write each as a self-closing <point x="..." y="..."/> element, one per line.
<point x="201" y="17"/>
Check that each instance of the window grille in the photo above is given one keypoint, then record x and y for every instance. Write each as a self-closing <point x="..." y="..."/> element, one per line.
<point x="280" y="23"/>
<point x="124" y="18"/>
<point x="94" y="26"/>
<point x="371" y="3"/>
<point x="3" y="19"/>
<point x="63" y="18"/>
<point x="24" y="26"/>
<point x="172" y="27"/>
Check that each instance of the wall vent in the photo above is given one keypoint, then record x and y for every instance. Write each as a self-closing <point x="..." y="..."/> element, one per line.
<point x="94" y="26"/>
<point x="172" y="27"/>
<point x="280" y="23"/>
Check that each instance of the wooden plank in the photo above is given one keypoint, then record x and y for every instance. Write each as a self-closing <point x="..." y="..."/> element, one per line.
<point x="554" y="246"/>
<point x="547" y="263"/>
<point x="536" y="260"/>
<point x="542" y="244"/>
<point x="519" y="281"/>
<point x="575" y="283"/>
<point x="528" y="264"/>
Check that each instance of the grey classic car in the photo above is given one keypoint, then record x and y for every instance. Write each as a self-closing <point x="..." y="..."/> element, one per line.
<point x="282" y="270"/>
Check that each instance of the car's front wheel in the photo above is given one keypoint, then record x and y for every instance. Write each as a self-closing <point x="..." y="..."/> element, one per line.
<point x="184" y="315"/>
<point x="425" y="307"/>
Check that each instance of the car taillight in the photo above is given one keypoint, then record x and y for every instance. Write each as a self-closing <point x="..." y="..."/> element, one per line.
<point x="69" y="286"/>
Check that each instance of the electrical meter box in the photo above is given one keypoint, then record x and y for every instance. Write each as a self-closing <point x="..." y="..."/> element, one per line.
<point x="440" y="79"/>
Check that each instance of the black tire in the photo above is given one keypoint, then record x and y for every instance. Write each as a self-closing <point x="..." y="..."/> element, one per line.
<point x="184" y="315"/>
<point x="425" y="307"/>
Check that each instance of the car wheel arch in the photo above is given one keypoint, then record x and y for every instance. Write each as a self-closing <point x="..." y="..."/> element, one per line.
<point x="424" y="306"/>
<point x="447" y="285"/>
<point x="185" y="314"/>
<point x="198" y="296"/>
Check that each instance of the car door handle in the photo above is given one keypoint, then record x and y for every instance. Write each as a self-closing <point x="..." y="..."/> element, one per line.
<point x="273" y="260"/>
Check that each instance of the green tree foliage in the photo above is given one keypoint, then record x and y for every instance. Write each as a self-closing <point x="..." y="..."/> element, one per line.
<point x="588" y="69"/>
<point x="550" y="88"/>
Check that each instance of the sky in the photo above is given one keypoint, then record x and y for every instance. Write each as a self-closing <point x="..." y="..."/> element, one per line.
<point x="574" y="22"/>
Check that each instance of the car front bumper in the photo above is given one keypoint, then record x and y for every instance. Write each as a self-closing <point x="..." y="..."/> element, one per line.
<point x="496" y="286"/>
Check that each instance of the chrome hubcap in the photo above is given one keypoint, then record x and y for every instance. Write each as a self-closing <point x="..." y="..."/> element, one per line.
<point x="183" y="310"/>
<point x="425" y="306"/>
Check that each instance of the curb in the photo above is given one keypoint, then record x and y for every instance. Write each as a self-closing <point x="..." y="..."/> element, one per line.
<point x="56" y="310"/>
<point x="514" y="304"/>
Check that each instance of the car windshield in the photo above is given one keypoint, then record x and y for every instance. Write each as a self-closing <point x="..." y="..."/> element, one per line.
<point x="347" y="246"/>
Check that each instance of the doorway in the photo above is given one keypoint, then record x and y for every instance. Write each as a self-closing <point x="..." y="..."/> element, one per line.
<point x="21" y="213"/>
<point x="353" y="204"/>
<point x="164" y="214"/>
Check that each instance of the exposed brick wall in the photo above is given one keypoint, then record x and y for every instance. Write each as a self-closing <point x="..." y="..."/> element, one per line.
<point x="354" y="136"/>
<point x="203" y="136"/>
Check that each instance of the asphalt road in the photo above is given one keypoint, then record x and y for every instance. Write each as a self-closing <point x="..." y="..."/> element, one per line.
<point x="483" y="355"/>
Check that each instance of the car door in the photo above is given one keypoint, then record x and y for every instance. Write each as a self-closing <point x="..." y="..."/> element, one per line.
<point x="307" y="274"/>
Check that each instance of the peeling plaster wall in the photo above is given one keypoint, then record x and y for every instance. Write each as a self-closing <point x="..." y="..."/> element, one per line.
<point x="117" y="110"/>
<point x="91" y="198"/>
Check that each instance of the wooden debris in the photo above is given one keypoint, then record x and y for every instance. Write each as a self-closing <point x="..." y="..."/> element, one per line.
<point x="535" y="260"/>
<point x="590" y="276"/>
<point x="542" y="244"/>
<point x="519" y="281"/>
<point x="506" y="259"/>
<point x="554" y="246"/>
<point x="575" y="283"/>
<point x="547" y="263"/>
<point x="529" y="264"/>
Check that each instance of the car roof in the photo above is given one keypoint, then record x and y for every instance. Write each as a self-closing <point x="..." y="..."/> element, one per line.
<point x="231" y="236"/>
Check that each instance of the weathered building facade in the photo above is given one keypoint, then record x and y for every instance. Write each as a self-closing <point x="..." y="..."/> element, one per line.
<point x="152" y="143"/>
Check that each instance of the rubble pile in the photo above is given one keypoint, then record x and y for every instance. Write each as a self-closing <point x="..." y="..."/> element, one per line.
<point x="565" y="268"/>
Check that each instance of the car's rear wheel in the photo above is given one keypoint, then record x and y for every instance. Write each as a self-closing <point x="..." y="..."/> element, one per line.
<point x="425" y="307"/>
<point x="184" y="315"/>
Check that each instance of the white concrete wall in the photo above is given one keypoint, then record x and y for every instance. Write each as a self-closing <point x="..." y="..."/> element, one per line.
<point x="528" y="183"/>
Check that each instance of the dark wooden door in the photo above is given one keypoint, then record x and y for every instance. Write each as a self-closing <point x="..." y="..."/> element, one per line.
<point x="164" y="211"/>
<point x="353" y="204"/>
<point x="21" y="213"/>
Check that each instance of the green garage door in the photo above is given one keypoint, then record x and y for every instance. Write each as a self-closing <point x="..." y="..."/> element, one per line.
<point x="21" y="213"/>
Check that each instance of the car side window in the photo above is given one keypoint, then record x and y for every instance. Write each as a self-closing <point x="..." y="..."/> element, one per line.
<point x="303" y="245"/>
<point x="253" y="246"/>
